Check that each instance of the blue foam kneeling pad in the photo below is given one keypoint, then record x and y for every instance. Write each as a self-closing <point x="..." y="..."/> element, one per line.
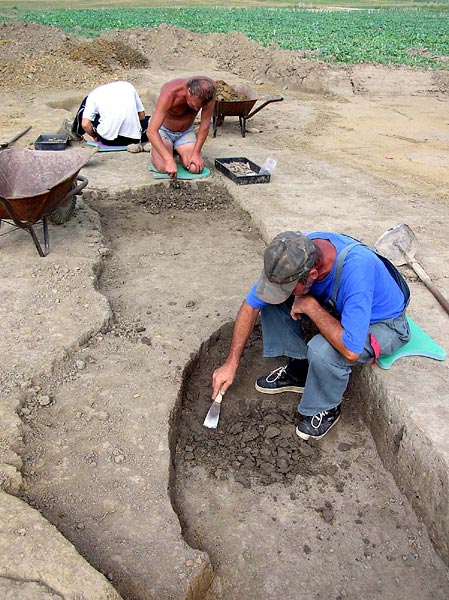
<point x="103" y="148"/>
<point x="420" y="344"/>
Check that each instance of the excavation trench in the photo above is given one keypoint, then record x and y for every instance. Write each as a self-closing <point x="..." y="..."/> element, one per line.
<point x="278" y="518"/>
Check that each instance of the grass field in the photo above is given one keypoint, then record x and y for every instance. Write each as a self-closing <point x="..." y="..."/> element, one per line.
<point x="400" y="35"/>
<point x="317" y="4"/>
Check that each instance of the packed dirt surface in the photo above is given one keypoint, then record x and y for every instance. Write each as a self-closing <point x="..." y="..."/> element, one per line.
<point x="278" y="519"/>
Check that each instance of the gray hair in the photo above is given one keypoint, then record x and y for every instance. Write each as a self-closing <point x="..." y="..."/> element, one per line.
<point x="202" y="88"/>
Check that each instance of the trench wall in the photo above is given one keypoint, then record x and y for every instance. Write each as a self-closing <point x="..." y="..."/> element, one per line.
<point x="419" y="471"/>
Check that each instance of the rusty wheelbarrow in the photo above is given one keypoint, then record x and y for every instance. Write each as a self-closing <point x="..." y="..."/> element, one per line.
<point x="239" y="108"/>
<point x="40" y="185"/>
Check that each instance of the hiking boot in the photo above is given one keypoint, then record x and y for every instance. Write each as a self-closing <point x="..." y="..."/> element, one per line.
<point x="318" y="425"/>
<point x="280" y="380"/>
<point x="67" y="128"/>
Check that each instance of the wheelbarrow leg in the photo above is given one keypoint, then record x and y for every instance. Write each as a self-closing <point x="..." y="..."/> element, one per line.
<point x="29" y="227"/>
<point x="242" y="123"/>
<point x="46" y="239"/>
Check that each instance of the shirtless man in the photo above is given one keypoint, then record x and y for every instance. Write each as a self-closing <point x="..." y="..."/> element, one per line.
<point x="171" y="124"/>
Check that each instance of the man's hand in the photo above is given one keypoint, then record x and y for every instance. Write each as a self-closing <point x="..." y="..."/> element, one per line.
<point x="302" y="305"/>
<point x="222" y="378"/>
<point x="170" y="168"/>
<point x="195" y="163"/>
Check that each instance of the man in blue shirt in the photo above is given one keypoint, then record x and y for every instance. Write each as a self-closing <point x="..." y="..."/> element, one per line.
<point x="355" y="299"/>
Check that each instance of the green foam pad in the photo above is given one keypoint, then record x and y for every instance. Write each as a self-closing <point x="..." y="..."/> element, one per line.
<point x="182" y="173"/>
<point x="103" y="148"/>
<point x="420" y="344"/>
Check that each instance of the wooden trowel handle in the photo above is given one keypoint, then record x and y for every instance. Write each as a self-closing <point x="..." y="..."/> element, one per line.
<point x="427" y="281"/>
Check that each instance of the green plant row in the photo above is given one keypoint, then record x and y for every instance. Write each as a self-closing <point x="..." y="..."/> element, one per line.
<point x="411" y="37"/>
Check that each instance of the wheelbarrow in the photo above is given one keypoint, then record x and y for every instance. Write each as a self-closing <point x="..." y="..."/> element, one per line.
<point x="39" y="185"/>
<point x="239" y="108"/>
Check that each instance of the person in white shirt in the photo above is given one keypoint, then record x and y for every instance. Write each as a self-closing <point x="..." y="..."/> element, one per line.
<point x="112" y="114"/>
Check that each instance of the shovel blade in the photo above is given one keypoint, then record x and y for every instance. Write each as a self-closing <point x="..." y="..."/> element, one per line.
<point x="211" y="420"/>
<point x="396" y="242"/>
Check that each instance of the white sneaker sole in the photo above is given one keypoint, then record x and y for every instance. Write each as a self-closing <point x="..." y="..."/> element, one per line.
<point x="306" y="436"/>
<point x="288" y="388"/>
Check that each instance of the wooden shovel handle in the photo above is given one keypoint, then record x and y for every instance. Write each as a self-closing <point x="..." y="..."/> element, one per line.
<point x="15" y="138"/>
<point x="427" y="281"/>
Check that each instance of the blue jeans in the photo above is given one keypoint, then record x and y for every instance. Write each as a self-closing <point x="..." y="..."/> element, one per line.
<point x="329" y="372"/>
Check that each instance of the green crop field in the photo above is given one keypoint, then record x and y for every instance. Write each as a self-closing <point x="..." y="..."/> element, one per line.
<point x="411" y="33"/>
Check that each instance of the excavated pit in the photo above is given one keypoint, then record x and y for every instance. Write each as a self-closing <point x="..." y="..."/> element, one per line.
<point x="278" y="518"/>
<point x="283" y="518"/>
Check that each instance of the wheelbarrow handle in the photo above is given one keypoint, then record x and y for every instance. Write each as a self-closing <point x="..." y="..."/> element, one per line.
<point x="83" y="181"/>
<point x="16" y="137"/>
<point x="275" y="99"/>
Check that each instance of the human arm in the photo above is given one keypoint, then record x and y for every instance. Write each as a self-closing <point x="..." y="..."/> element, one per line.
<point x="196" y="162"/>
<point x="243" y="326"/>
<point x="327" y="325"/>
<point x="87" y="125"/>
<point x="163" y="105"/>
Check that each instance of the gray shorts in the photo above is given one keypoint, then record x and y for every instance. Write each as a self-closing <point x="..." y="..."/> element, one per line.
<point x="178" y="138"/>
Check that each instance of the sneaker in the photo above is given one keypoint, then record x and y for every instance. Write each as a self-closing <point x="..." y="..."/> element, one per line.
<point x="67" y="128"/>
<point x="318" y="425"/>
<point x="134" y="148"/>
<point x="147" y="147"/>
<point x="278" y="381"/>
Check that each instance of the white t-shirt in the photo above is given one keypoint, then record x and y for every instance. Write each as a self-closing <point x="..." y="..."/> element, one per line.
<point x="117" y="104"/>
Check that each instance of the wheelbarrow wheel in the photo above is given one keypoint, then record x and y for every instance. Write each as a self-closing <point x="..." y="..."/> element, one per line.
<point x="63" y="212"/>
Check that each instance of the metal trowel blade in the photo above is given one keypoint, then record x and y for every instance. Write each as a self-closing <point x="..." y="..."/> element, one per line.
<point x="211" y="420"/>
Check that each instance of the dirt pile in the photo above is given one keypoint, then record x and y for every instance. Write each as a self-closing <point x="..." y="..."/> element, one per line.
<point x="106" y="55"/>
<point x="46" y="58"/>
<point x="259" y="445"/>
<point x="227" y="93"/>
<point x="40" y="57"/>
<point x="177" y="196"/>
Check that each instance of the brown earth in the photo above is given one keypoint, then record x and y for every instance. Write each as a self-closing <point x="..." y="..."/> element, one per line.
<point x="328" y="521"/>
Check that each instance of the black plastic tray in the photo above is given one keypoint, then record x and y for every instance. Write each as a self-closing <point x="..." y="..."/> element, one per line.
<point x="51" y="141"/>
<point x="222" y="165"/>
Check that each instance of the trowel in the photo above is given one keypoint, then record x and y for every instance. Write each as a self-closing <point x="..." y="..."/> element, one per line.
<point x="211" y="420"/>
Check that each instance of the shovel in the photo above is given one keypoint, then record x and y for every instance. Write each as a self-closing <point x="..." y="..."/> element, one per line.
<point x="13" y="139"/>
<point x="213" y="415"/>
<point x="398" y="244"/>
